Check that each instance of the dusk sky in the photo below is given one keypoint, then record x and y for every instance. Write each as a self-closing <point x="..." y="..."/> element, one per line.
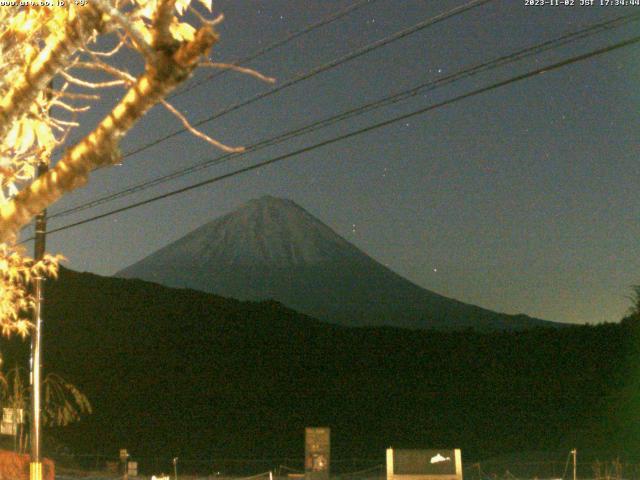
<point x="522" y="200"/>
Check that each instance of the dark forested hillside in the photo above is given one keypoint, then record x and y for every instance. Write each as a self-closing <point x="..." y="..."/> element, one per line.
<point x="179" y="372"/>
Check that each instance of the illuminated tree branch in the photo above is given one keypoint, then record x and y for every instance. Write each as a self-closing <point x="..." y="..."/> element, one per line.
<point x="45" y="65"/>
<point x="100" y="147"/>
<point x="38" y="44"/>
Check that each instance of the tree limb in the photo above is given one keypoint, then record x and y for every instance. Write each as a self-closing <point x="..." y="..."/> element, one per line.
<point x="100" y="147"/>
<point x="54" y="56"/>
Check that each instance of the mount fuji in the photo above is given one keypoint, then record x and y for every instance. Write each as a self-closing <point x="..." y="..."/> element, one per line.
<point x="271" y="248"/>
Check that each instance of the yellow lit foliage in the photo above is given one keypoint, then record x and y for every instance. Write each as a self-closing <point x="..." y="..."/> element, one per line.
<point x="16" y="273"/>
<point x="39" y="44"/>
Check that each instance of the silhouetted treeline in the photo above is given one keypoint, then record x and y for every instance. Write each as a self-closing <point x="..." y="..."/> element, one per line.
<point x="180" y="372"/>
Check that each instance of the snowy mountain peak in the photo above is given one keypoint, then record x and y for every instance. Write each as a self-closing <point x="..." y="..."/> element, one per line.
<point x="267" y="231"/>
<point x="270" y="200"/>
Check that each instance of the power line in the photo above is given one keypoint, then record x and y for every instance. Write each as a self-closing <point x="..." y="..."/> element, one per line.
<point x="322" y="68"/>
<point x="325" y="67"/>
<point x="278" y="43"/>
<point x="272" y="46"/>
<point x="391" y="99"/>
<point x="370" y="128"/>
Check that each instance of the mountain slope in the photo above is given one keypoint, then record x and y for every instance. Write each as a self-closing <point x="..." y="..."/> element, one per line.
<point x="273" y="248"/>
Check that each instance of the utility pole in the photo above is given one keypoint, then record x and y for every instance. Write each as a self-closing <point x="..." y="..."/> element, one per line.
<point x="574" y="452"/>
<point x="35" y="467"/>
<point x="35" y="470"/>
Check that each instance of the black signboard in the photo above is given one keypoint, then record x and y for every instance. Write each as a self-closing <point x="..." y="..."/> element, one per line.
<point x="443" y="464"/>
<point x="424" y="462"/>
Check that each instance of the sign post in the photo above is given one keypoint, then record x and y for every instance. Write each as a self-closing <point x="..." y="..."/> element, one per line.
<point x="317" y="453"/>
<point x="124" y="463"/>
